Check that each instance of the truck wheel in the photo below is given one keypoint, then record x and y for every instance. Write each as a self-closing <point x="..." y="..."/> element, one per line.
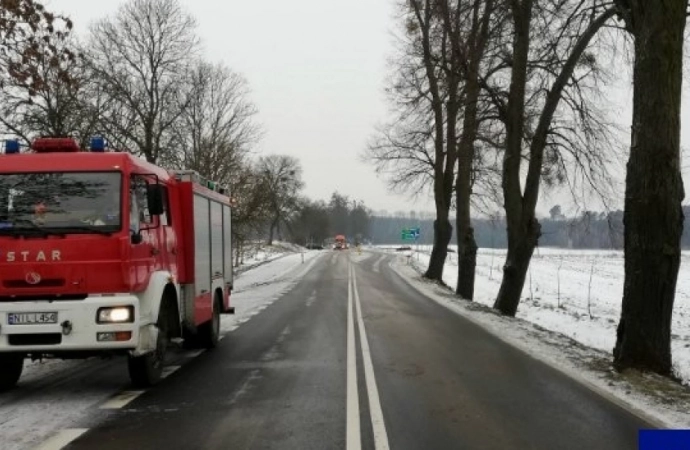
<point x="11" y="366"/>
<point x="146" y="370"/>
<point x="209" y="332"/>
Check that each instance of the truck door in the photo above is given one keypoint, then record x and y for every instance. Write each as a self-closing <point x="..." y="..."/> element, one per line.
<point x="140" y="221"/>
<point x="168" y="241"/>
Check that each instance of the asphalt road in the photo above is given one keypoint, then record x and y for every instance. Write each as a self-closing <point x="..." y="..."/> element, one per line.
<point x="352" y="358"/>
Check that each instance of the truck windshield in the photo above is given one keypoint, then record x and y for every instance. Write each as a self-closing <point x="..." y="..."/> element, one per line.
<point x="60" y="202"/>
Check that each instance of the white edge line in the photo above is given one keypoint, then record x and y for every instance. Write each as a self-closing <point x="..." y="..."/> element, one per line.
<point x="377" y="422"/>
<point x="121" y="399"/>
<point x="353" y="437"/>
<point x="195" y="353"/>
<point x="169" y="370"/>
<point x="61" y="439"/>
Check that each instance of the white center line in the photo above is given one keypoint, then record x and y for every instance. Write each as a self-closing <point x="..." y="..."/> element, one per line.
<point x="353" y="439"/>
<point x="62" y="438"/>
<point x="377" y="422"/>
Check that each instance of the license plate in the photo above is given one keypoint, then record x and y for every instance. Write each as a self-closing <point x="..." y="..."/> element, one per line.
<point x="32" y="318"/>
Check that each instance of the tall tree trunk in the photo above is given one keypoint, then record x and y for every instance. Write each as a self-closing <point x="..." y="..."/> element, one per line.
<point x="443" y="231"/>
<point x="653" y="216"/>
<point x="272" y="230"/>
<point x="523" y="228"/>
<point x="514" y="269"/>
<point x="467" y="246"/>
<point x="467" y="264"/>
<point x="520" y="250"/>
<point x="444" y="159"/>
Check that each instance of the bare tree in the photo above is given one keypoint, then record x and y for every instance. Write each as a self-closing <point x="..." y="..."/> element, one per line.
<point x="282" y="179"/>
<point x="469" y="31"/>
<point x="419" y="147"/>
<point x="402" y="151"/>
<point x="216" y="131"/>
<point x="653" y="214"/>
<point x="58" y="106"/>
<point x="142" y="59"/>
<point x="312" y="225"/>
<point x="440" y="115"/>
<point x="439" y="65"/>
<point x="30" y="39"/>
<point x="548" y="70"/>
<point x="251" y="205"/>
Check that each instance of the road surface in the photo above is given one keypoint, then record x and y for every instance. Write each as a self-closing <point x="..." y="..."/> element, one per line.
<point x="354" y="358"/>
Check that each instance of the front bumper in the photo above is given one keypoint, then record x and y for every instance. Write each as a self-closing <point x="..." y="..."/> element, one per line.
<point x="76" y="326"/>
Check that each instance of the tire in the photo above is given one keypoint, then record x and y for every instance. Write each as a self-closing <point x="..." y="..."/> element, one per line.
<point x="209" y="332"/>
<point x="11" y="366"/>
<point x="146" y="370"/>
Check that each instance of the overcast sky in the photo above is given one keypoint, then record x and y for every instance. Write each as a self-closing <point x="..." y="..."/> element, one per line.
<point x="317" y="70"/>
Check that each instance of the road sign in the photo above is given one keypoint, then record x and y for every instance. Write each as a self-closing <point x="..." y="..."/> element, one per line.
<point x="410" y="234"/>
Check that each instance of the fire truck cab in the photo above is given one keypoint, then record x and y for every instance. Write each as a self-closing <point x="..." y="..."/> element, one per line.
<point x="340" y="242"/>
<point x="103" y="253"/>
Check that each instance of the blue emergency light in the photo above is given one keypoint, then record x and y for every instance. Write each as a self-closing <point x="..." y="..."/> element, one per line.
<point x="97" y="144"/>
<point x="11" y="146"/>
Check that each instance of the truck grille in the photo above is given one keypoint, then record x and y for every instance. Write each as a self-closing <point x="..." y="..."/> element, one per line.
<point x="35" y="339"/>
<point x="41" y="297"/>
<point x="19" y="284"/>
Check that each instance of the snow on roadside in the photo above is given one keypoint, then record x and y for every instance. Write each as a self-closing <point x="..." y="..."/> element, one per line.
<point x="258" y="254"/>
<point x="566" y="337"/>
<point x="257" y="288"/>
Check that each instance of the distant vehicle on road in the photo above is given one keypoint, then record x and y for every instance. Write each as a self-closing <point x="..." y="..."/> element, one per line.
<point x="340" y="243"/>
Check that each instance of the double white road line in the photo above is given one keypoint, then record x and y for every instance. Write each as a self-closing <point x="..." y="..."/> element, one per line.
<point x="354" y="438"/>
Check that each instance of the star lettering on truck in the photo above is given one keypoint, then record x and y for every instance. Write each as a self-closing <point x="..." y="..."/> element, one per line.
<point x="39" y="256"/>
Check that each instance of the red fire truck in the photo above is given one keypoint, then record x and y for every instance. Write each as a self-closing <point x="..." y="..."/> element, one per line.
<point x="102" y="253"/>
<point x="340" y="242"/>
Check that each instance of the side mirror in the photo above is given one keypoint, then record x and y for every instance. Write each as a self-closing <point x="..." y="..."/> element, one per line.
<point x="154" y="194"/>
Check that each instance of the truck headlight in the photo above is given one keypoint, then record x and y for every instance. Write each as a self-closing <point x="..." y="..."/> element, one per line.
<point x="118" y="314"/>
